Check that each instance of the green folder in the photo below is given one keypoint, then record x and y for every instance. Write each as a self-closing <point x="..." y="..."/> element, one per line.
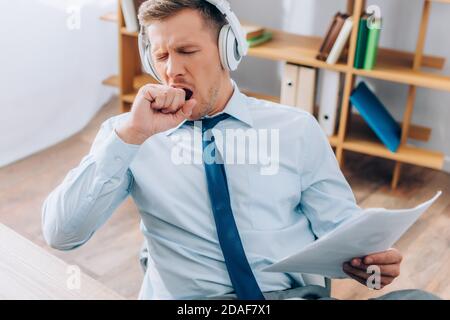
<point x="361" y="44"/>
<point x="267" y="36"/>
<point x="372" y="45"/>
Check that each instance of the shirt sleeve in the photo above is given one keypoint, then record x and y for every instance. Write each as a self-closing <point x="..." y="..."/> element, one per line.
<point x="327" y="199"/>
<point x="90" y="193"/>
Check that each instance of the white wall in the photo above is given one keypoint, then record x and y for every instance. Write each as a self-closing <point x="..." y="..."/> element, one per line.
<point x="50" y="78"/>
<point x="401" y="23"/>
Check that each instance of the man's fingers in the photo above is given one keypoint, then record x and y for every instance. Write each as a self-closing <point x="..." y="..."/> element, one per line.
<point x="390" y="270"/>
<point x="358" y="275"/>
<point x="392" y="256"/>
<point x="364" y="281"/>
<point x="176" y="101"/>
<point x="159" y="102"/>
<point x="147" y="94"/>
<point x="355" y="271"/>
<point x="184" y="112"/>
<point x="170" y="98"/>
<point x="360" y="280"/>
<point x="173" y="107"/>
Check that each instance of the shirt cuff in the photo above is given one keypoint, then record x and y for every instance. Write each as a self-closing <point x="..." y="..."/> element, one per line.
<point x="115" y="156"/>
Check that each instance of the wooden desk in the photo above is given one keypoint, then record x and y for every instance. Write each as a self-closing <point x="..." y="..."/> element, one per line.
<point x="29" y="272"/>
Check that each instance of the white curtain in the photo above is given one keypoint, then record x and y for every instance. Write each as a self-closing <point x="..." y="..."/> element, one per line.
<point x="53" y="56"/>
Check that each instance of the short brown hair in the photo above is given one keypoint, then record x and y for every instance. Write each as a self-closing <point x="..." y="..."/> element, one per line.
<point x="156" y="10"/>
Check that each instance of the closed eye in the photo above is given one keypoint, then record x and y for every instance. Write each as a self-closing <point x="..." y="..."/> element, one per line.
<point x="188" y="52"/>
<point x="161" y="57"/>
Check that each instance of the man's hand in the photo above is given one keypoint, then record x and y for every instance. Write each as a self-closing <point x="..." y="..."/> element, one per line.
<point x="156" y="108"/>
<point x="387" y="261"/>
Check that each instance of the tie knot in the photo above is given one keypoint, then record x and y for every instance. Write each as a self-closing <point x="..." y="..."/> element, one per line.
<point x="209" y="123"/>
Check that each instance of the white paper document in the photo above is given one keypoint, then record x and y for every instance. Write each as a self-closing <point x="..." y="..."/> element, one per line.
<point x="375" y="230"/>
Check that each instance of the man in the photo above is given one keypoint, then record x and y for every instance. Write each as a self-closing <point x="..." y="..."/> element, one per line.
<point x="209" y="227"/>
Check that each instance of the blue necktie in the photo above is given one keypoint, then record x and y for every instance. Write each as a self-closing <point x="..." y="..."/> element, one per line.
<point x="239" y="270"/>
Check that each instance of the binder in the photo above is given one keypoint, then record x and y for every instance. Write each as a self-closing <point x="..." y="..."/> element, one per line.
<point x="361" y="44"/>
<point x="289" y="85"/>
<point x="341" y="41"/>
<point x="372" y="45"/>
<point x="130" y="10"/>
<point x="306" y="87"/>
<point x="331" y="36"/>
<point x="377" y="116"/>
<point x="330" y="93"/>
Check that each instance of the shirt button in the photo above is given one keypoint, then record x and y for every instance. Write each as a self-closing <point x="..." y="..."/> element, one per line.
<point x="89" y="198"/>
<point x="118" y="159"/>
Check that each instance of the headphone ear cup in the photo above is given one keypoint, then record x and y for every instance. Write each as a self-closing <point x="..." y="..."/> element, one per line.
<point x="228" y="49"/>
<point x="146" y="59"/>
<point x="152" y="70"/>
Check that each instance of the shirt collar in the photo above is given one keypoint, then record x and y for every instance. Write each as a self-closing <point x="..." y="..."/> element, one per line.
<point x="236" y="107"/>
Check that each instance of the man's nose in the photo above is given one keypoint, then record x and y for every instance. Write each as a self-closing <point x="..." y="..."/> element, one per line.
<point x="174" y="68"/>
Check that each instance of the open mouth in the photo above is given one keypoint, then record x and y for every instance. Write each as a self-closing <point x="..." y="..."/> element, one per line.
<point x="189" y="93"/>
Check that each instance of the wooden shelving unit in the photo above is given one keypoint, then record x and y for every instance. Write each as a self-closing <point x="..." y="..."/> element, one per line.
<point x="352" y="135"/>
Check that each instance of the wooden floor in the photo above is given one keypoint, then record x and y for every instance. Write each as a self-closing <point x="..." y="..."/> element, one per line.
<point x="111" y="256"/>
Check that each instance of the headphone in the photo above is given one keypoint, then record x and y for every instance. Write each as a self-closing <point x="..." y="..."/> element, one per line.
<point x="232" y="44"/>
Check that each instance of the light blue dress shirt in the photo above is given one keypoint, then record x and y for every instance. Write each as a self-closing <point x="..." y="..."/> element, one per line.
<point x="276" y="214"/>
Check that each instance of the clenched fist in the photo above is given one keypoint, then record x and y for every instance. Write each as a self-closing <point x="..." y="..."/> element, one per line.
<point x="156" y="108"/>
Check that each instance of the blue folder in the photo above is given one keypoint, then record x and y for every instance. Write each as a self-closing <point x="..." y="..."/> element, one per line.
<point x="377" y="116"/>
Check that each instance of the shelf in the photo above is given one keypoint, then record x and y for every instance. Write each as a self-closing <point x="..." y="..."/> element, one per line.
<point x="407" y="58"/>
<point x="142" y="80"/>
<point x="441" y="1"/>
<point x="406" y="154"/>
<point x="300" y="49"/>
<point x="129" y="98"/>
<point x="399" y="70"/>
<point x="109" y="17"/>
<point x="334" y="140"/>
<point x="362" y="140"/>
<point x="124" y="31"/>
<point x="112" y="81"/>
<point x="357" y="124"/>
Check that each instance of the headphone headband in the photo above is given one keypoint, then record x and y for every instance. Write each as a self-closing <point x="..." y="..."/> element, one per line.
<point x="224" y="7"/>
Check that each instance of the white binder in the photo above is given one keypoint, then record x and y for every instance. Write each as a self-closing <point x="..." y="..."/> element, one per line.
<point x="289" y="85"/>
<point x="341" y="40"/>
<point x="329" y="99"/>
<point x="306" y="89"/>
<point x="129" y="14"/>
